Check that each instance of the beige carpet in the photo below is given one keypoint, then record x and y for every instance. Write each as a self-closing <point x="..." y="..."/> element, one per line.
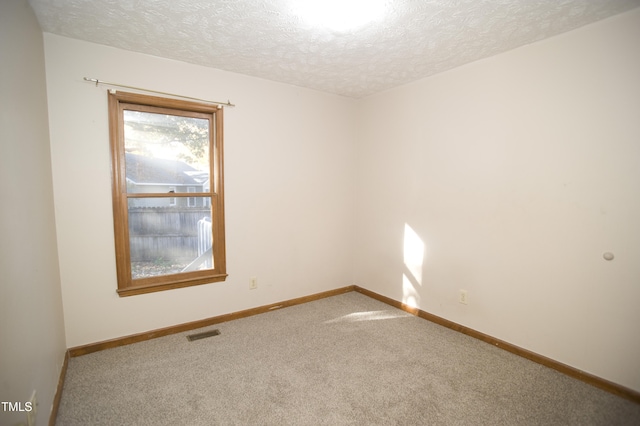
<point x="344" y="360"/>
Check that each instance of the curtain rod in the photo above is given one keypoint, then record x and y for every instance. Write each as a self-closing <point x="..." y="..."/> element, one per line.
<point x="95" y="80"/>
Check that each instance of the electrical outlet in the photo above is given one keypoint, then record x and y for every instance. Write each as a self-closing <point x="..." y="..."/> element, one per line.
<point x="31" y="415"/>
<point x="253" y="283"/>
<point x="463" y="297"/>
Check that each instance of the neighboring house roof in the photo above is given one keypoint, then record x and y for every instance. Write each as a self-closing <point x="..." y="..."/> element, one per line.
<point x="150" y="170"/>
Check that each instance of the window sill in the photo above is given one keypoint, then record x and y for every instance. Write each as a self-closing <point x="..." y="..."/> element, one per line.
<point x="151" y="288"/>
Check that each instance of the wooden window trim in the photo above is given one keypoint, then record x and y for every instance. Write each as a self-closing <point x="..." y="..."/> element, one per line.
<point x="117" y="102"/>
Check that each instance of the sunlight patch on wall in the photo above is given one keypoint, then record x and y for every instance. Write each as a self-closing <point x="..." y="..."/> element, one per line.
<point x="413" y="256"/>
<point x="410" y="296"/>
<point x="413" y="253"/>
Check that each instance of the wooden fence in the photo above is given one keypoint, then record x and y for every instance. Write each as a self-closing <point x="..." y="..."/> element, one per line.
<point x="165" y="233"/>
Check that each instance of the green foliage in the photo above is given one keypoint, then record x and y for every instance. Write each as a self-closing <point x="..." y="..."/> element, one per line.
<point x="147" y="130"/>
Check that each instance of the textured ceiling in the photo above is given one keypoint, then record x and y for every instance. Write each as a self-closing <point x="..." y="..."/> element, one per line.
<point x="265" y="38"/>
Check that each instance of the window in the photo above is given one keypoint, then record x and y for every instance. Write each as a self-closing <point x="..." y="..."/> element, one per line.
<point x="168" y="202"/>
<point x="172" y="200"/>
<point x="191" y="201"/>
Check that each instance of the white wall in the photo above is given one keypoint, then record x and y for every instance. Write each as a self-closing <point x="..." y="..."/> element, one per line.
<point x="289" y="190"/>
<point x="516" y="173"/>
<point x="32" y="341"/>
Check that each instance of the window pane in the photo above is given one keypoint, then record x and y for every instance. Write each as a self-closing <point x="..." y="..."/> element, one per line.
<point x="166" y="152"/>
<point x="167" y="239"/>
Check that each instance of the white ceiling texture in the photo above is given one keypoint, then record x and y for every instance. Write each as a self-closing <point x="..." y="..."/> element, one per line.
<point x="391" y="42"/>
